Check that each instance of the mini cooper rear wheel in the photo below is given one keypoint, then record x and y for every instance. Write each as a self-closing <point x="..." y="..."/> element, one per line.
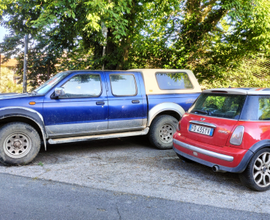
<point x="161" y="131"/>
<point x="19" y="143"/>
<point x="257" y="174"/>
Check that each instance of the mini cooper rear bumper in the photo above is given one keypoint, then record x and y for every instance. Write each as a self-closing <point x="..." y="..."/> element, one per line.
<point x="211" y="154"/>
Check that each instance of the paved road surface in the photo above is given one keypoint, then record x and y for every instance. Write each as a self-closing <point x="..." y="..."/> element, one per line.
<point x="26" y="198"/>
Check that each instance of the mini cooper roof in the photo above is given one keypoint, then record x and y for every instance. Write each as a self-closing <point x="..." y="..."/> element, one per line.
<point x="240" y="91"/>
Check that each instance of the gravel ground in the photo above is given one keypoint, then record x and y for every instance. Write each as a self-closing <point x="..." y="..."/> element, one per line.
<point x="131" y="165"/>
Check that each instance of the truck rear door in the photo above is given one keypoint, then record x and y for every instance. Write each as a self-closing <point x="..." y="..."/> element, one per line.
<point x="127" y="101"/>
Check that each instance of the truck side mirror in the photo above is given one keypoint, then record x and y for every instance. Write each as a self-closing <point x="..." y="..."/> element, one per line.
<point x="59" y="92"/>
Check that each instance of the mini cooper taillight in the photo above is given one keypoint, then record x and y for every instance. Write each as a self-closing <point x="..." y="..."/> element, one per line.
<point x="237" y="135"/>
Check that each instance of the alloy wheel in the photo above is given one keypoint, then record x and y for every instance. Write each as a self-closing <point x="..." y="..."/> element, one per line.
<point x="261" y="170"/>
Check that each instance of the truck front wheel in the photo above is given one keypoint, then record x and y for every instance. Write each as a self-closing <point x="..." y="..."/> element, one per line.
<point x="19" y="143"/>
<point x="161" y="131"/>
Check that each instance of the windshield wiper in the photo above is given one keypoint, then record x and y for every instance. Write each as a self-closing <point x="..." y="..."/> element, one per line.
<point x="201" y="111"/>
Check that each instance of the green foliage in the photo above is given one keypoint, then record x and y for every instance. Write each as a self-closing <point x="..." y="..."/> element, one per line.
<point x="7" y="84"/>
<point x="212" y="38"/>
<point x="252" y="72"/>
<point x="68" y="34"/>
<point x="207" y="37"/>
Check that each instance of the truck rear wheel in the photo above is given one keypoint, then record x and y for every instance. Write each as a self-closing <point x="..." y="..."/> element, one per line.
<point x="161" y="131"/>
<point x="19" y="143"/>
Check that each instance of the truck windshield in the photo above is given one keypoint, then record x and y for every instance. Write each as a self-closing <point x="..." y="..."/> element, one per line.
<point x="44" y="88"/>
<point x="219" y="105"/>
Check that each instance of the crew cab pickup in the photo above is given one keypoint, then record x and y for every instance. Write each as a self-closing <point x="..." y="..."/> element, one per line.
<point x="88" y="105"/>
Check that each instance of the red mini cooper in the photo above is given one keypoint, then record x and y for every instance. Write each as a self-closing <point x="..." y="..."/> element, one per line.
<point x="229" y="130"/>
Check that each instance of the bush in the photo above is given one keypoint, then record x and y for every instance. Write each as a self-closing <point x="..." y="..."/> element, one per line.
<point x="251" y="73"/>
<point x="7" y="84"/>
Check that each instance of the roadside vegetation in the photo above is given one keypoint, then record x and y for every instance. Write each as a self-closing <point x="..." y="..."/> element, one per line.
<point x="7" y="84"/>
<point x="224" y="42"/>
<point x="252" y="72"/>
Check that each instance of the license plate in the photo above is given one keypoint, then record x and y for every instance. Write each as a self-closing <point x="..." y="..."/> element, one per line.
<point x="201" y="129"/>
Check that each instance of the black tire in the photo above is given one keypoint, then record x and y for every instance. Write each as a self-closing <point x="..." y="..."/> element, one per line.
<point x="19" y="143"/>
<point x="161" y="131"/>
<point x="257" y="174"/>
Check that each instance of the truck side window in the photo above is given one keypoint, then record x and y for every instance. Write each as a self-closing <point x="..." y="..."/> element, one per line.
<point x="171" y="81"/>
<point x="123" y="85"/>
<point x="84" y="85"/>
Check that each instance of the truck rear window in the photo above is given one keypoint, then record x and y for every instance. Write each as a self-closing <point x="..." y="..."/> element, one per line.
<point x="219" y="105"/>
<point x="123" y="84"/>
<point x="172" y="81"/>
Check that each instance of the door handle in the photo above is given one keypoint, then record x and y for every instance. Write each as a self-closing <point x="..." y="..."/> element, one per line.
<point x="100" y="103"/>
<point x="135" y="101"/>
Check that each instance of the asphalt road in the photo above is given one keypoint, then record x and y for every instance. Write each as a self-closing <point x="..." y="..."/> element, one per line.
<point x="131" y="167"/>
<point x="26" y="198"/>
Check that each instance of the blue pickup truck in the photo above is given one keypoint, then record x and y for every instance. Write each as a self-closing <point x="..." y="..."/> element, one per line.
<point x="88" y="105"/>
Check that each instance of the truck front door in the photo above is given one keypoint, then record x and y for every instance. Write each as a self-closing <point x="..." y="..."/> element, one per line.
<point x="82" y="110"/>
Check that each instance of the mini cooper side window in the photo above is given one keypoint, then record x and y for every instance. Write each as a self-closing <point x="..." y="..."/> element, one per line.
<point x="172" y="81"/>
<point x="264" y="108"/>
<point x="123" y="85"/>
<point x="84" y="85"/>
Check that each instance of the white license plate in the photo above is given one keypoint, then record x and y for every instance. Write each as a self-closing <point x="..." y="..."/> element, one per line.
<point x="201" y="129"/>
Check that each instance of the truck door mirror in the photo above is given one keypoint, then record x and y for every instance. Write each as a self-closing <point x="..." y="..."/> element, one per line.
<point x="59" y="92"/>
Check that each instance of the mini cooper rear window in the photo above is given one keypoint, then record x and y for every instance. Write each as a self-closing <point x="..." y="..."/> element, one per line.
<point x="172" y="81"/>
<point x="219" y="105"/>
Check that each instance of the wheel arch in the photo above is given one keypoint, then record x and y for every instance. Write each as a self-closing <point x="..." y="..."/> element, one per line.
<point x="260" y="145"/>
<point x="25" y="115"/>
<point x="165" y="108"/>
<point x="249" y="176"/>
<point x="253" y="150"/>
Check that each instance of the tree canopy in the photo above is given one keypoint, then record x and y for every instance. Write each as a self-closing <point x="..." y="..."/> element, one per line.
<point x="210" y="37"/>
